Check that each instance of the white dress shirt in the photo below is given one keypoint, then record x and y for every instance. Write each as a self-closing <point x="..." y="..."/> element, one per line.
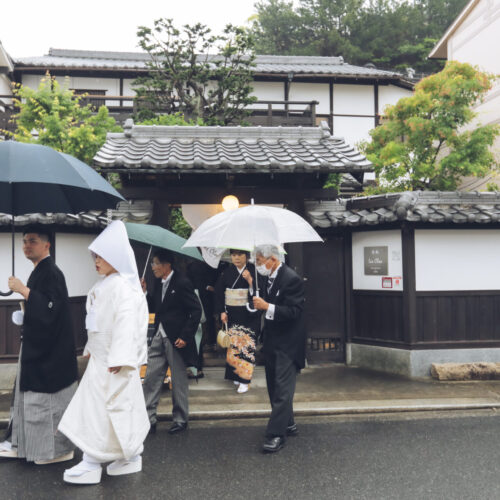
<point x="270" y="310"/>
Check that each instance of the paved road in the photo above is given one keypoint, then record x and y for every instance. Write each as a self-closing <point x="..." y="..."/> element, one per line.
<point x="428" y="456"/>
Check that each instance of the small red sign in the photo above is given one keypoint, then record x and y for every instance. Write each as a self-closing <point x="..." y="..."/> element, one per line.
<point x="386" y="282"/>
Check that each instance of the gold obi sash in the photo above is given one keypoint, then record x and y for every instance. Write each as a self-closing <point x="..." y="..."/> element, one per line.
<point x="236" y="296"/>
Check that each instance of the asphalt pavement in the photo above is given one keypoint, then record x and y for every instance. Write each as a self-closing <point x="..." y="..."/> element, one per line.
<point x="418" y="455"/>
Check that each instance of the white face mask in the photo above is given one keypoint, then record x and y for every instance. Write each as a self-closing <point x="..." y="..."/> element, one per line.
<point x="263" y="270"/>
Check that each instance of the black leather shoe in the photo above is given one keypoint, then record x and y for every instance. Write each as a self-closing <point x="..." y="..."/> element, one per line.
<point x="152" y="429"/>
<point x="273" y="445"/>
<point x="292" y="430"/>
<point x="177" y="427"/>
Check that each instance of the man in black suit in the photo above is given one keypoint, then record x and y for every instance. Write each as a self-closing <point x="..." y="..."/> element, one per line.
<point x="177" y="315"/>
<point x="47" y="368"/>
<point x="284" y="341"/>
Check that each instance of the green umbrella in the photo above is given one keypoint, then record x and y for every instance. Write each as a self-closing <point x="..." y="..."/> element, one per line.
<point x="157" y="236"/>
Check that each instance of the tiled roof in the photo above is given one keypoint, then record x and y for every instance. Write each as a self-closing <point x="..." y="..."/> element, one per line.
<point x="311" y="65"/>
<point x="418" y="206"/>
<point x="229" y="149"/>
<point x="136" y="211"/>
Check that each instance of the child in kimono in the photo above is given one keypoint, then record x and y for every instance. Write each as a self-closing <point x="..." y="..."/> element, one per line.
<point x="107" y="417"/>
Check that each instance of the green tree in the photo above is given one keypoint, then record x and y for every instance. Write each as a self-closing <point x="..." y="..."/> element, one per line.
<point x="59" y="119"/>
<point x="391" y="34"/>
<point x="184" y="77"/>
<point x="423" y="142"/>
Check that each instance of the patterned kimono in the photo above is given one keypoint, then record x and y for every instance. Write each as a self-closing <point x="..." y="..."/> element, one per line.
<point x="231" y="296"/>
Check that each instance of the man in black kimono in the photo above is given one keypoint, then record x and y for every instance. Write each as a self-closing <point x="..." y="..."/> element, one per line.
<point x="177" y="316"/>
<point x="284" y="341"/>
<point x="47" y="368"/>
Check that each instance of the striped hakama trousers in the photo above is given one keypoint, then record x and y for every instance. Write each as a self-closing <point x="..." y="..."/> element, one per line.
<point x="34" y="417"/>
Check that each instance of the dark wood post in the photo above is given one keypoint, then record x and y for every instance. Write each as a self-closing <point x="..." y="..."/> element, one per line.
<point x="409" y="285"/>
<point x="349" y="310"/>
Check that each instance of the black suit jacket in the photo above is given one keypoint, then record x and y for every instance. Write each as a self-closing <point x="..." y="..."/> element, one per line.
<point x="286" y="332"/>
<point x="48" y="359"/>
<point x="179" y="313"/>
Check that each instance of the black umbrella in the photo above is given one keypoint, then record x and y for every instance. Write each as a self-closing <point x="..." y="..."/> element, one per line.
<point x="35" y="178"/>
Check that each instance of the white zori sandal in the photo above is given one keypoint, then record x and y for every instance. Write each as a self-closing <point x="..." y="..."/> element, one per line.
<point x="123" y="466"/>
<point x="84" y="473"/>
<point x="6" y="450"/>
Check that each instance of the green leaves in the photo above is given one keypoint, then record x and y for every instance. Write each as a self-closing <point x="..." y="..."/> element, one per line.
<point x="423" y="142"/>
<point x="183" y="76"/>
<point x="53" y="116"/>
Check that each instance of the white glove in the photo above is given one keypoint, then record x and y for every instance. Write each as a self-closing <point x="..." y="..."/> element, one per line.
<point x="18" y="318"/>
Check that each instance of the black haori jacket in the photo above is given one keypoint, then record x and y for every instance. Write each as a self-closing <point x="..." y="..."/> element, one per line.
<point x="48" y="359"/>
<point x="287" y="332"/>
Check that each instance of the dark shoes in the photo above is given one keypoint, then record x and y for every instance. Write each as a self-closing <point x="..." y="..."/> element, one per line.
<point x="272" y="445"/>
<point x="177" y="427"/>
<point x="292" y="430"/>
<point x="152" y="429"/>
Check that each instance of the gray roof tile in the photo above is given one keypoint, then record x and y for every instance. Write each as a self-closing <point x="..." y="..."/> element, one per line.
<point x="137" y="211"/>
<point x="418" y="206"/>
<point x="229" y="149"/>
<point x="264" y="64"/>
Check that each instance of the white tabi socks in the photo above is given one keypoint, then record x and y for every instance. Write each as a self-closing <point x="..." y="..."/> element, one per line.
<point x="88" y="471"/>
<point x="124" y="466"/>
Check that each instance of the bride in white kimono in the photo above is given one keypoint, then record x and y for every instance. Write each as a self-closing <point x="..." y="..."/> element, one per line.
<point x="107" y="417"/>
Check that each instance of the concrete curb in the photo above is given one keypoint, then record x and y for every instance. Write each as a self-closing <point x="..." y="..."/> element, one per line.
<point x="207" y="415"/>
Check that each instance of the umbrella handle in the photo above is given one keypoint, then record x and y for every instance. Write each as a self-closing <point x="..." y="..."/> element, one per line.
<point x="6" y="294"/>
<point x="250" y="308"/>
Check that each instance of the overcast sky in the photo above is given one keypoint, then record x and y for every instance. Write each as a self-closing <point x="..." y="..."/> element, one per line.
<point x="31" y="27"/>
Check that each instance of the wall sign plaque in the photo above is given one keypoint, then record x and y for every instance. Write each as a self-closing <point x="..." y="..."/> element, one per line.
<point x="376" y="261"/>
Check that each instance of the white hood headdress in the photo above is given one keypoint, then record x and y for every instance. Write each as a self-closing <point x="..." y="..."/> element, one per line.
<point x="114" y="247"/>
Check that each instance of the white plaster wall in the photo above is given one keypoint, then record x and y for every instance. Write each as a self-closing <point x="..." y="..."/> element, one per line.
<point x="454" y="259"/>
<point x="391" y="239"/>
<point x="312" y="92"/>
<point x="74" y="260"/>
<point x="353" y="129"/>
<point x="353" y="99"/>
<point x="390" y="95"/>
<point x="23" y="266"/>
<point x="268" y="91"/>
<point x="128" y="90"/>
<point x="477" y="39"/>
<point x="110" y="85"/>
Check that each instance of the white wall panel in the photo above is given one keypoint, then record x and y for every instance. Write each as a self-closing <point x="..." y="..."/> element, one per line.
<point x="23" y="266"/>
<point x="454" y="259"/>
<point x="353" y="99"/>
<point x="391" y="239"/>
<point x="352" y="129"/>
<point x="74" y="260"/>
<point x="390" y="94"/>
<point x="268" y="91"/>
<point x="312" y="92"/>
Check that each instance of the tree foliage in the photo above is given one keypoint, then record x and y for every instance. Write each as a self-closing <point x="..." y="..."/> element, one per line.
<point x="424" y="142"/>
<point x="59" y="120"/>
<point x="388" y="33"/>
<point x="196" y="73"/>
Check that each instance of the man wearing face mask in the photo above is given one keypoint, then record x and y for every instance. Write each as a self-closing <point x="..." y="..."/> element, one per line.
<point x="284" y="341"/>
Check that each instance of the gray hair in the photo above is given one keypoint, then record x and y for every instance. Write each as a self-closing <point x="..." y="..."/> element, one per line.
<point x="268" y="251"/>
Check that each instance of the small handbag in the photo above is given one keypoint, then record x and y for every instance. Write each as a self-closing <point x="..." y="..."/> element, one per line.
<point x="223" y="337"/>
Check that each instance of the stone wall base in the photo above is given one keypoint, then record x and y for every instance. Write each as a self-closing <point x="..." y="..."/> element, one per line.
<point x="415" y="363"/>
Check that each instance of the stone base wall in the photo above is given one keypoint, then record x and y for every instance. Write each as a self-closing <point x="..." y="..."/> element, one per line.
<point x="415" y="363"/>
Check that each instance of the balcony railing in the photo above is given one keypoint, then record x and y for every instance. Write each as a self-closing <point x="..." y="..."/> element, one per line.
<point x="265" y="113"/>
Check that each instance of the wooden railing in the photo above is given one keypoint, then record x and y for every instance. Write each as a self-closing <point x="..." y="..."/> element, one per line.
<point x="265" y="113"/>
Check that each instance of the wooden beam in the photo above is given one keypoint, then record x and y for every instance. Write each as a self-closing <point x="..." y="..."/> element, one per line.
<point x="204" y="195"/>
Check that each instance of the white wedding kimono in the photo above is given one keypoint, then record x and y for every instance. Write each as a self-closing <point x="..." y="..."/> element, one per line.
<point x="107" y="417"/>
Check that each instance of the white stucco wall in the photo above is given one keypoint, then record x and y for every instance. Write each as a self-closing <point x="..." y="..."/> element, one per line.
<point x="390" y="94"/>
<point x="353" y="99"/>
<point x="454" y="259"/>
<point x="268" y="91"/>
<point x="75" y="261"/>
<point x="390" y="239"/>
<point x="23" y="266"/>
<point x="312" y="92"/>
<point x="353" y="129"/>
